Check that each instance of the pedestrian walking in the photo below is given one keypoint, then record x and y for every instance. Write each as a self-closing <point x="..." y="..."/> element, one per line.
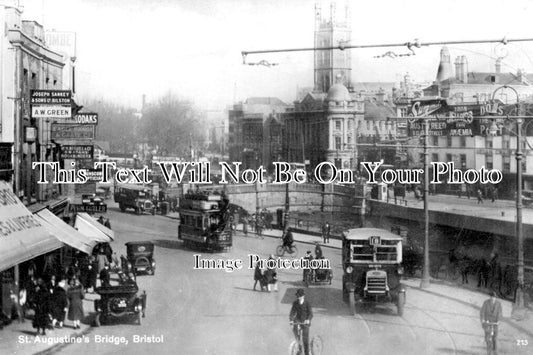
<point x="271" y="277"/>
<point x="75" y="296"/>
<point x="42" y="318"/>
<point x="327" y="232"/>
<point x="258" y="277"/>
<point x="494" y="194"/>
<point x="301" y="312"/>
<point x="245" y="226"/>
<point x="107" y="223"/>
<point x="59" y="305"/>
<point x="491" y="312"/>
<point x="479" y="196"/>
<point x="309" y="257"/>
<point x="318" y="251"/>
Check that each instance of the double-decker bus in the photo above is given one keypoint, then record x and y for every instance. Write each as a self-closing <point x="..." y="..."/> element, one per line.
<point x="204" y="221"/>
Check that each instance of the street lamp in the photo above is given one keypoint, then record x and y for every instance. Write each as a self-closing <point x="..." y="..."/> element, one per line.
<point x="519" y="306"/>
<point x="424" y="283"/>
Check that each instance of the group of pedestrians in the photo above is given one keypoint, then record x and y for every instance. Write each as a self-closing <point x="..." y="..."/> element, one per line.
<point x="266" y="278"/>
<point x="52" y="301"/>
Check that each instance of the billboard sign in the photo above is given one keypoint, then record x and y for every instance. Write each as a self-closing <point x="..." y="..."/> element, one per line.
<point x="71" y="131"/>
<point x="77" y="151"/>
<point x="62" y="42"/>
<point x="86" y="118"/>
<point x="50" y="97"/>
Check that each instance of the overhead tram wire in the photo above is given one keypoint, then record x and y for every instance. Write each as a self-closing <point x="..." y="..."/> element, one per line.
<point x="410" y="45"/>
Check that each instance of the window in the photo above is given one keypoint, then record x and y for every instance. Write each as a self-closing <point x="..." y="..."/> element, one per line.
<point x="435" y="157"/>
<point x="368" y="128"/>
<point x="449" y="141"/>
<point x="463" y="141"/>
<point x="489" y="165"/>
<point x="488" y="142"/>
<point x="337" y="143"/>
<point x="449" y="158"/>
<point x="338" y="125"/>
<point x="462" y="158"/>
<point x="436" y="141"/>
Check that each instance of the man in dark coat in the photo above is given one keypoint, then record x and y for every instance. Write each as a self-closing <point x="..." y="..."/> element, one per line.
<point x="42" y="308"/>
<point x="105" y="278"/>
<point x="301" y="312"/>
<point x="491" y="312"/>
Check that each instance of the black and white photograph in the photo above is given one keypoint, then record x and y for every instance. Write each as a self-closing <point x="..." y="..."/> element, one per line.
<point x="302" y="177"/>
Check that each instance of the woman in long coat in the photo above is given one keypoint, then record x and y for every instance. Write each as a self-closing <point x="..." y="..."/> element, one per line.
<point x="75" y="295"/>
<point x="59" y="304"/>
<point x="42" y="308"/>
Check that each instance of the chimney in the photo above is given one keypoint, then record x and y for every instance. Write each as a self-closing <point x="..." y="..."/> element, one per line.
<point x="498" y="65"/>
<point x="461" y="69"/>
<point x="380" y="96"/>
<point x="465" y="69"/>
<point x="458" y="68"/>
<point x="445" y="67"/>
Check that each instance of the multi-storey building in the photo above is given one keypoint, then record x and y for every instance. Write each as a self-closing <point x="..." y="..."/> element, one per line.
<point x="475" y="94"/>
<point x="26" y="64"/>
<point x="246" y="122"/>
<point x="323" y="127"/>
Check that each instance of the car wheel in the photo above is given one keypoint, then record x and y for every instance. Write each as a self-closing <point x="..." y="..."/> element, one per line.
<point x="280" y="250"/>
<point x="150" y="271"/>
<point x="121" y="206"/>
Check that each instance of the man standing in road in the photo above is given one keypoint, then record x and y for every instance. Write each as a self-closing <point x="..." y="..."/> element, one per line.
<point x="301" y="312"/>
<point x="491" y="312"/>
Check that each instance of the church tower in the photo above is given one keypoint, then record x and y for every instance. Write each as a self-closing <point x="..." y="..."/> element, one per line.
<point x="332" y="28"/>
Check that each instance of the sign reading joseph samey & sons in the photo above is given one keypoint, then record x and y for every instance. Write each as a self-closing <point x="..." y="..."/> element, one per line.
<point x="51" y="104"/>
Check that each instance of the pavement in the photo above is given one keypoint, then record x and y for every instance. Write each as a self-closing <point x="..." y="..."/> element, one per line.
<point x="20" y="337"/>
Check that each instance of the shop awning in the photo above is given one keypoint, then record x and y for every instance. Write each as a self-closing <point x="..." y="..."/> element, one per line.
<point x="22" y="235"/>
<point x="90" y="227"/>
<point x="66" y="233"/>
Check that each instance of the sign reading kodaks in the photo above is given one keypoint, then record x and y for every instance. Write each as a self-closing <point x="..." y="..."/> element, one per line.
<point x="86" y="118"/>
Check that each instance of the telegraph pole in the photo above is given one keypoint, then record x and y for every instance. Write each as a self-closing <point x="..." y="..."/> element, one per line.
<point x="425" y="272"/>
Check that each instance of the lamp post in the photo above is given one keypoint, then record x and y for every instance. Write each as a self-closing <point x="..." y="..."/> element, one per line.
<point x="424" y="283"/>
<point x="518" y="307"/>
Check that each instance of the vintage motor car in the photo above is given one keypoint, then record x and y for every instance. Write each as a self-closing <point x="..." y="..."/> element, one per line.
<point x="371" y="260"/>
<point x="318" y="277"/>
<point x="119" y="302"/>
<point x="140" y="258"/>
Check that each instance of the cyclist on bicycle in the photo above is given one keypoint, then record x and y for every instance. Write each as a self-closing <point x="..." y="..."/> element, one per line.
<point x="301" y="312"/>
<point x="491" y="312"/>
<point x="288" y="239"/>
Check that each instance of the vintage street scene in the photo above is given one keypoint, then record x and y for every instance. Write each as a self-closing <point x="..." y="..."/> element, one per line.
<point x="249" y="177"/>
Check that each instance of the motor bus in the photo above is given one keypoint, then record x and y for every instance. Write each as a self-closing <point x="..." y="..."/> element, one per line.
<point x="137" y="197"/>
<point x="372" y="263"/>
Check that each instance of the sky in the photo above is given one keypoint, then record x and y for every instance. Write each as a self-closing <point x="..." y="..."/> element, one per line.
<point x="127" y="48"/>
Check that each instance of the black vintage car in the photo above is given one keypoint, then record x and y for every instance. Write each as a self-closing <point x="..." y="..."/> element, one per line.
<point x="118" y="302"/>
<point x="140" y="257"/>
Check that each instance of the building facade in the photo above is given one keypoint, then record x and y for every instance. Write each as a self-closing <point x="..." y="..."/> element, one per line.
<point x="26" y="64"/>
<point x="323" y="127"/>
<point x="246" y="121"/>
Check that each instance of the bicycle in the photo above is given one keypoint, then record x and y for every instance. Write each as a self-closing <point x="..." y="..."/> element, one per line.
<point x="490" y="337"/>
<point x="297" y="346"/>
<point x="281" y="249"/>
